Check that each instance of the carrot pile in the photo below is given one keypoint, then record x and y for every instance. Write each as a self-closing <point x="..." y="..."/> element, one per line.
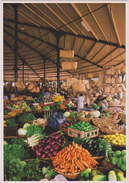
<point x="73" y="159"/>
<point x="62" y="106"/>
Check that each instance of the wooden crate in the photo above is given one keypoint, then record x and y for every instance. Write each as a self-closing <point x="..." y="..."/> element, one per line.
<point x="47" y="113"/>
<point x="82" y="134"/>
<point x="63" y="129"/>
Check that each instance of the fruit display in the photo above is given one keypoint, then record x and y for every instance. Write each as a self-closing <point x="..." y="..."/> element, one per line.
<point x="116" y="138"/>
<point x="58" y="98"/>
<point x="82" y="126"/>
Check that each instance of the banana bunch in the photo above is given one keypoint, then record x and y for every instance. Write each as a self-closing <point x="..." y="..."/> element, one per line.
<point x="58" y="98"/>
<point x="12" y="113"/>
<point x="38" y="107"/>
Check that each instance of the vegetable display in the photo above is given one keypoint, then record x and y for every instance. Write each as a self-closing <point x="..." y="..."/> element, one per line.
<point x="97" y="147"/>
<point x="116" y="138"/>
<point x="73" y="159"/>
<point x="11" y="123"/>
<point x="82" y="126"/>
<point x="24" y="171"/>
<point x="55" y="119"/>
<point x="48" y="172"/>
<point x="34" y="129"/>
<point x="50" y="145"/>
<point x="27" y="117"/>
<point x="116" y="175"/>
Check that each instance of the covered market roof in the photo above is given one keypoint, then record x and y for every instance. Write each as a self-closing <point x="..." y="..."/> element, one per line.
<point x="39" y="25"/>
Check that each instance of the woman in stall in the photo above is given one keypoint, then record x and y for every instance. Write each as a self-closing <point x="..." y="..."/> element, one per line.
<point x="80" y="102"/>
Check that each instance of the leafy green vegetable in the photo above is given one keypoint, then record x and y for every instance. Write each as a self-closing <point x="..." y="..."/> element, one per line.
<point x="11" y="123"/>
<point x="33" y="129"/>
<point x="33" y="108"/>
<point x="5" y="112"/>
<point x="46" y="108"/>
<point x="17" y="150"/>
<point x="27" y="117"/>
<point x="24" y="171"/>
<point x="48" y="172"/>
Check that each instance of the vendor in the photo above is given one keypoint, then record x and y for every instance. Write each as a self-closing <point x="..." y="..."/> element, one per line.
<point x="80" y="102"/>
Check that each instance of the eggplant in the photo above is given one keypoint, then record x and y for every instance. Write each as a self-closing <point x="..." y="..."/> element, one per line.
<point x="57" y="136"/>
<point x="47" y="151"/>
<point x="40" y="148"/>
<point x="52" y="142"/>
<point x="55" y="145"/>
<point x="48" y="140"/>
<point x="45" y="147"/>
<point x="43" y="155"/>
<point x="63" y="144"/>
<point x="54" y="133"/>
<point x="48" y="146"/>
<point x="50" y="154"/>
<point x="57" y="148"/>
<point x="44" y="139"/>
<point x="60" y="140"/>
<point x="40" y="141"/>
<point x="54" y="153"/>
<point x="52" y="149"/>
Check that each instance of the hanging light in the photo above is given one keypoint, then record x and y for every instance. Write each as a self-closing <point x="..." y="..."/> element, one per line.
<point x="85" y="26"/>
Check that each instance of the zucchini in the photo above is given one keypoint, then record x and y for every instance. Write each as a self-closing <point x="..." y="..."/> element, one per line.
<point x="95" y="106"/>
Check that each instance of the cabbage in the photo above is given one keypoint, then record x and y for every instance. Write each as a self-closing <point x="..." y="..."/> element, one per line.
<point x="26" y="125"/>
<point x="66" y="114"/>
<point x="22" y="131"/>
<point x="95" y="114"/>
<point x="81" y="115"/>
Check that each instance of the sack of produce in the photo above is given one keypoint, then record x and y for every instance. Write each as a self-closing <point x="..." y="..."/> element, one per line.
<point x="37" y="89"/>
<point x="113" y="90"/>
<point x="69" y="65"/>
<point x="71" y="81"/>
<point x="119" y="89"/>
<point x="123" y="69"/>
<point x="78" y="88"/>
<point x="107" y="79"/>
<point x="31" y="86"/>
<point x="108" y="72"/>
<point x="33" y="90"/>
<point x="107" y="89"/>
<point x="101" y="79"/>
<point x="67" y="53"/>
<point x="118" y="80"/>
<point x="112" y="80"/>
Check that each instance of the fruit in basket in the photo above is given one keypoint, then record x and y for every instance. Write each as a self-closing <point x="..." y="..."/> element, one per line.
<point x="116" y="138"/>
<point x="123" y="167"/>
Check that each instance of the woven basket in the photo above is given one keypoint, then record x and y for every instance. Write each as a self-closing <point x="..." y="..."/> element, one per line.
<point x="40" y="160"/>
<point x="107" y="131"/>
<point x="8" y="117"/>
<point x="111" y="120"/>
<point x="21" y="136"/>
<point x="17" y="110"/>
<point x="111" y="104"/>
<point x="84" y="119"/>
<point x="69" y="175"/>
<point x="98" y="157"/>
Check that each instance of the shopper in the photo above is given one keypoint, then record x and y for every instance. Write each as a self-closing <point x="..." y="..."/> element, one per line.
<point x="80" y="102"/>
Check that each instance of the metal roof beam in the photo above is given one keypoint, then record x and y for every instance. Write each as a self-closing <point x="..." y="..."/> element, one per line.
<point x="72" y="34"/>
<point x="21" y="58"/>
<point x="35" y="51"/>
<point x="54" y="47"/>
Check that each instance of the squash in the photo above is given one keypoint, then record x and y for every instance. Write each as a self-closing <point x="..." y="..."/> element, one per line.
<point x="95" y="113"/>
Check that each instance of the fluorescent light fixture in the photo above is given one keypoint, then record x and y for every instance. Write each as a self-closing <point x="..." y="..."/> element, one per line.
<point x="85" y="26"/>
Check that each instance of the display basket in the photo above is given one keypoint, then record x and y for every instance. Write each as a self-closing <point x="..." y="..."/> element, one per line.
<point x="10" y="131"/>
<point x="98" y="157"/>
<point x="8" y="117"/>
<point x="99" y="123"/>
<point x="82" y="134"/>
<point x="21" y="136"/>
<point x="111" y="120"/>
<point x="84" y="119"/>
<point x="17" y="110"/>
<point x="68" y="175"/>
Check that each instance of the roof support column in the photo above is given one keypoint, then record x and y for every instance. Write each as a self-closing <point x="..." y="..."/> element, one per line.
<point x="23" y="72"/>
<point x="44" y="69"/>
<point x="58" y="64"/>
<point x="15" y="6"/>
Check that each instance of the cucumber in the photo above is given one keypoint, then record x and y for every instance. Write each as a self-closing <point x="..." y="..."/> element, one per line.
<point x="86" y="171"/>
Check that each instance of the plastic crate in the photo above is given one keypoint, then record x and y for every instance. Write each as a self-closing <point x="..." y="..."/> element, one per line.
<point x="81" y="134"/>
<point x="46" y="114"/>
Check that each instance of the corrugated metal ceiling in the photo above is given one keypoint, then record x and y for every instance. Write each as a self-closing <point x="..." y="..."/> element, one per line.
<point x="103" y="46"/>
